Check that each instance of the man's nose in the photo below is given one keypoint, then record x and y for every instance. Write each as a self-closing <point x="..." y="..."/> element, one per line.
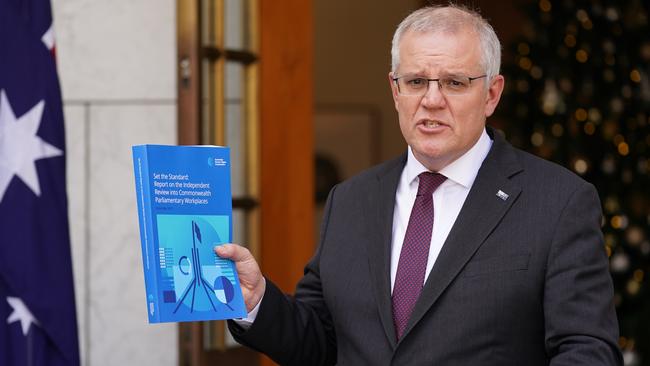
<point x="433" y="98"/>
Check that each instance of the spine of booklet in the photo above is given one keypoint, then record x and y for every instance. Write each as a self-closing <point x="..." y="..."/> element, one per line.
<point x="140" y="167"/>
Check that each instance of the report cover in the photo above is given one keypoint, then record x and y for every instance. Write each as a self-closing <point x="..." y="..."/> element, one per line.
<point x="184" y="211"/>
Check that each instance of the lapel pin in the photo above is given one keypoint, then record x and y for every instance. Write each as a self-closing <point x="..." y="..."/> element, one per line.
<point x="503" y="195"/>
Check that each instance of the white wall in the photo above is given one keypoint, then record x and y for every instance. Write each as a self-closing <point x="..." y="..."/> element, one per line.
<point x="116" y="62"/>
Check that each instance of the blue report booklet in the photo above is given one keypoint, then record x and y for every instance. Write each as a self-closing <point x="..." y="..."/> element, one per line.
<point x="185" y="210"/>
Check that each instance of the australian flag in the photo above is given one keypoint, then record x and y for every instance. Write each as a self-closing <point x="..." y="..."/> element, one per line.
<point x="38" y="324"/>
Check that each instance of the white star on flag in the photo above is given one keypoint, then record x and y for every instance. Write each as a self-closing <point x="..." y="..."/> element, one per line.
<point x="20" y="147"/>
<point x="21" y="313"/>
<point x="48" y="37"/>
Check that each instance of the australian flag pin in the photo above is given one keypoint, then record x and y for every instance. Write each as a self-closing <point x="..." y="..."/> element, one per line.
<point x="503" y="195"/>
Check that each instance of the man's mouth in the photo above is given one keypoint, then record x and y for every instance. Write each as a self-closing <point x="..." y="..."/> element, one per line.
<point x="429" y="123"/>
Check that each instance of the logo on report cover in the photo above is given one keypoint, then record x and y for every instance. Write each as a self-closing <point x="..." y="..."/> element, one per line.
<point x="212" y="161"/>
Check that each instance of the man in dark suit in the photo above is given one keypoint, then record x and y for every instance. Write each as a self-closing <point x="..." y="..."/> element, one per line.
<point x="463" y="251"/>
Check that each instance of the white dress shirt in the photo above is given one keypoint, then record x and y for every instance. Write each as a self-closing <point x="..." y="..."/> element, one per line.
<point x="447" y="199"/>
<point x="447" y="202"/>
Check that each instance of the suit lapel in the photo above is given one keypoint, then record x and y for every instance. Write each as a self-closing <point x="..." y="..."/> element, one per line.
<point x="381" y="201"/>
<point x="482" y="211"/>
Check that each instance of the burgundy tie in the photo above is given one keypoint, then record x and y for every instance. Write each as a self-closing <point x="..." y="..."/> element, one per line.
<point x="415" y="252"/>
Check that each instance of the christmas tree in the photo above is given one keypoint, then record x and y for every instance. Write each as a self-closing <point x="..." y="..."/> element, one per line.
<point x="578" y="94"/>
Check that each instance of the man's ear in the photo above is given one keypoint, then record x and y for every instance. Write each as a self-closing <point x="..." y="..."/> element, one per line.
<point x="494" y="94"/>
<point x="393" y="88"/>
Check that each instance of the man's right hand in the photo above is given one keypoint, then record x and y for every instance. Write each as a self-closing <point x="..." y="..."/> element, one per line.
<point x="252" y="282"/>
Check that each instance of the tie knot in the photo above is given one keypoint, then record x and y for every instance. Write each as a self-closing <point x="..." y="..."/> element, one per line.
<point x="429" y="182"/>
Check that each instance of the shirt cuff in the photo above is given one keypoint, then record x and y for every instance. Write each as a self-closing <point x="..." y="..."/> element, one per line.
<point x="250" y="318"/>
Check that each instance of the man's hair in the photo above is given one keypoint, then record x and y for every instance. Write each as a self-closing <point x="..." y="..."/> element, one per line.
<point x="452" y="19"/>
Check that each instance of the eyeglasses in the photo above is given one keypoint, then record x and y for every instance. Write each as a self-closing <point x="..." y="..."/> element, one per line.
<point x="448" y="85"/>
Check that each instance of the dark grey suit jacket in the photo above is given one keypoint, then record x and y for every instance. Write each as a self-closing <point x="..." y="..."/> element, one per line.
<point x="519" y="281"/>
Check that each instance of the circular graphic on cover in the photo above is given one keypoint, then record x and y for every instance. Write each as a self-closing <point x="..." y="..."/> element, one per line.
<point x="224" y="290"/>
<point x="184" y="265"/>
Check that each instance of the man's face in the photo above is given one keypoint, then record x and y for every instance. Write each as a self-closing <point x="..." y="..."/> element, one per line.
<point x="441" y="128"/>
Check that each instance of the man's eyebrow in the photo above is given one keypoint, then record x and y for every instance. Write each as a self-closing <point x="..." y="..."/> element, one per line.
<point x="413" y="74"/>
<point x="452" y="74"/>
<point x="443" y="74"/>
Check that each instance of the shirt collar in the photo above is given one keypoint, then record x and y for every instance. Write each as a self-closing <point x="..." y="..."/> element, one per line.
<point x="462" y="170"/>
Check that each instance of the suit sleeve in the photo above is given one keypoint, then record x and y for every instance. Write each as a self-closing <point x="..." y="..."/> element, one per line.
<point x="580" y="320"/>
<point x="295" y="330"/>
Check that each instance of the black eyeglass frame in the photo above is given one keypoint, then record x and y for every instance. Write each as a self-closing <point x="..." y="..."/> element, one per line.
<point x="437" y="80"/>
